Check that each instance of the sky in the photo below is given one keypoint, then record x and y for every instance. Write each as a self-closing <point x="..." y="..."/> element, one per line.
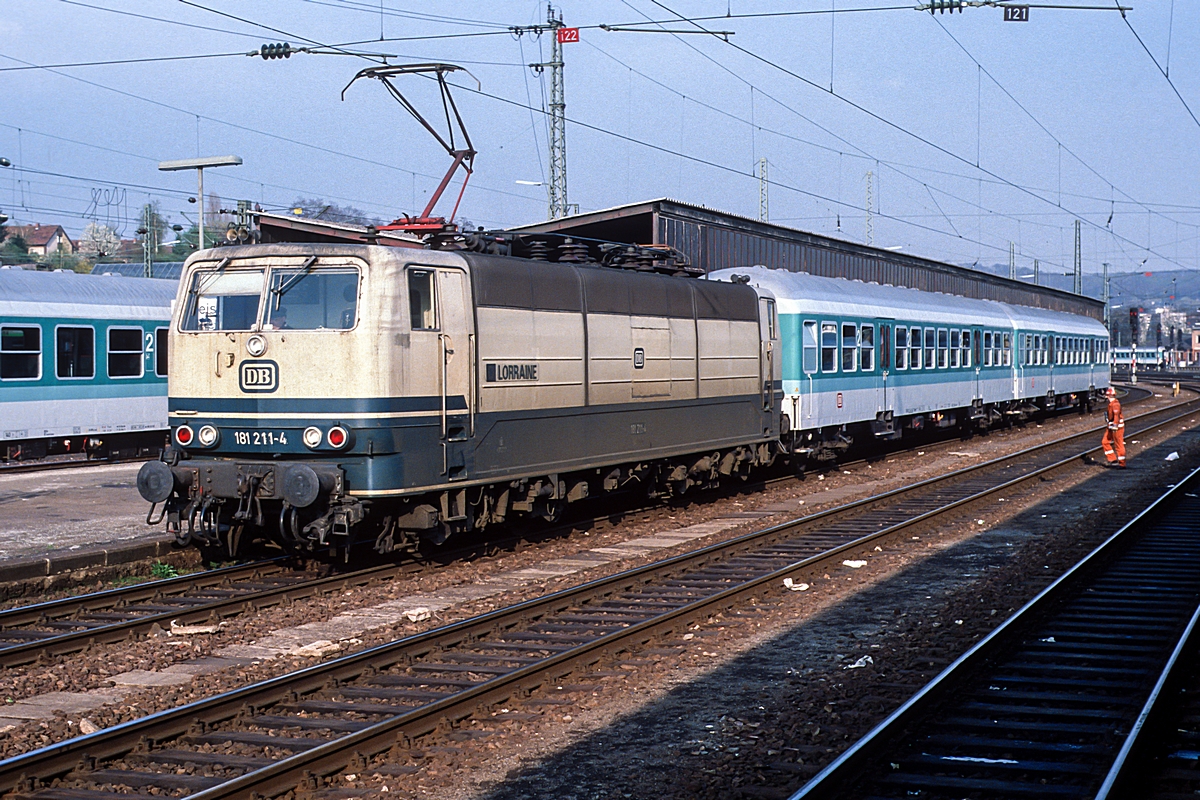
<point x="978" y="134"/>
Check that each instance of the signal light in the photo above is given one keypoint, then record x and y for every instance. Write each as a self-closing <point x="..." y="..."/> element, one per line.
<point x="207" y="436"/>
<point x="1133" y="325"/>
<point x="183" y="435"/>
<point x="269" y="51"/>
<point x="312" y="437"/>
<point x="337" y="436"/>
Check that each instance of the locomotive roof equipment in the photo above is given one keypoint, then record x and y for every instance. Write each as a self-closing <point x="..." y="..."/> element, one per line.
<point x="461" y="156"/>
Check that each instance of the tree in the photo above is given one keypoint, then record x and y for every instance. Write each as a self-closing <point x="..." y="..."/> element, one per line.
<point x="316" y="208"/>
<point x="99" y="240"/>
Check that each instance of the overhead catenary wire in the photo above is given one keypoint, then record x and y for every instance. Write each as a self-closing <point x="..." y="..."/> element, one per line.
<point x="900" y="128"/>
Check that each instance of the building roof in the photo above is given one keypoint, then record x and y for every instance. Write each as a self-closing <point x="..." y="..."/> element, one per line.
<point x="715" y="240"/>
<point x="37" y="234"/>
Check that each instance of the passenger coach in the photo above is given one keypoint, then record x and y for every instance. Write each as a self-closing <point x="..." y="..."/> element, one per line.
<point x="344" y="393"/>
<point x="881" y="358"/>
<point x="83" y="364"/>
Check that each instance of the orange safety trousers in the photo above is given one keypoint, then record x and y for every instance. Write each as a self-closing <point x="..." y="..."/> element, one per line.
<point x="1114" y="435"/>
<point x="1114" y="445"/>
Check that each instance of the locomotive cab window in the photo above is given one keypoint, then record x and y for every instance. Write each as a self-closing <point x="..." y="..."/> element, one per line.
<point x="20" y="352"/>
<point x="74" y="352"/>
<point x="221" y="300"/>
<point x="307" y="299"/>
<point x="422" y="310"/>
<point x="125" y="352"/>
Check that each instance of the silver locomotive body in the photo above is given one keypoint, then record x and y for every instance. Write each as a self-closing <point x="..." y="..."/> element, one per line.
<point x="335" y="394"/>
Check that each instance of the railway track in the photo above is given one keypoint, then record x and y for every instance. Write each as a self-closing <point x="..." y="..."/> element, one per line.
<point x="61" y="627"/>
<point x="294" y="731"/>
<point x="72" y="624"/>
<point x="1052" y="702"/>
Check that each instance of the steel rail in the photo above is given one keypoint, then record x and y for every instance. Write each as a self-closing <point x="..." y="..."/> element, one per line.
<point x="23" y="639"/>
<point x="156" y="600"/>
<point x="931" y="744"/>
<point x="567" y="631"/>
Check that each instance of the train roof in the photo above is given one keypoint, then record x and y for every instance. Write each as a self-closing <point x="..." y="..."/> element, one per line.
<point x="800" y="293"/>
<point x="25" y="293"/>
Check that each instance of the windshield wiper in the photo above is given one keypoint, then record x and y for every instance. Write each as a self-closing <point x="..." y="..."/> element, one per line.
<point x="281" y="290"/>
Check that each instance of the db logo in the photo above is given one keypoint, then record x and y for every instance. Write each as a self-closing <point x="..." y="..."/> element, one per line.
<point x="258" y="376"/>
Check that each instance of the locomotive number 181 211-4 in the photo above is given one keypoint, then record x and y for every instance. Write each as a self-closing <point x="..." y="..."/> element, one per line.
<point x="260" y="438"/>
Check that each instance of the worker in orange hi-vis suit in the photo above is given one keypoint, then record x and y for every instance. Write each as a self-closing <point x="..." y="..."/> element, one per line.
<point x="1114" y="433"/>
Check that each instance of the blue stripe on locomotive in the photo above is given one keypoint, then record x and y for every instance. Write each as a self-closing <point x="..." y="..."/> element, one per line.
<point x="390" y="449"/>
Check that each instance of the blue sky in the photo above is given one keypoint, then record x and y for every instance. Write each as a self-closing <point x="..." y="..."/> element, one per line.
<point x="1066" y="117"/>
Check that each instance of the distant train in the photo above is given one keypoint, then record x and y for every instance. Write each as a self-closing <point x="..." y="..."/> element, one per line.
<point x="83" y="364"/>
<point x="342" y="394"/>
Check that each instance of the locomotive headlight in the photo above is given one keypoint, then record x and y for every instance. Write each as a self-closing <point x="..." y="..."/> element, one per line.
<point x="337" y="436"/>
<point x="312" y="437"/>
<point x="184" y="435"/>
<point x="207" y="436"/>
<point x="256" y="345"/>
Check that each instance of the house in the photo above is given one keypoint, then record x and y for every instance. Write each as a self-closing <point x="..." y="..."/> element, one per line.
<point x="44" y="240"/>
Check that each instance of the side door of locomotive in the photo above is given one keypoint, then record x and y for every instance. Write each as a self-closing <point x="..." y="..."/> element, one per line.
<point x="441" y="358"/>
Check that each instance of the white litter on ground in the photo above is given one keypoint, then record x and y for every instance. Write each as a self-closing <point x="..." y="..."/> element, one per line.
<point x="854" y="564"/>
<point x="191" y="630"/>
<point x="418" y="614"/>
<point x="862" y="662"/>
<point x="795" y="587"/>
<point x="1173" y="457"/>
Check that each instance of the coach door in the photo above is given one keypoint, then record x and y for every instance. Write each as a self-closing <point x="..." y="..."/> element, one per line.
<point x="885" y="362"/>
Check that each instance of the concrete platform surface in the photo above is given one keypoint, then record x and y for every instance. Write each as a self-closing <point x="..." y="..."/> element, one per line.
<point x="85" y="515"/>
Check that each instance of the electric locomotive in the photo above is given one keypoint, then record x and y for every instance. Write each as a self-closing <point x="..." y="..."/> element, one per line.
<point x="329" y="395"/>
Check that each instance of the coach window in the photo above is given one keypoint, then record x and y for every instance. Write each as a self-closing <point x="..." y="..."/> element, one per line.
<point x="930" y="348"/>
<point x="866" y="340"/>
<point x="1007" y="350"/>
<point x="941" y="340"/>
<point x="810" y="347"/>
<point x="955" y="346"/>
<point x="74" y="352"/>
<point x="160" y="352"/>
<point x="987" y="348"/>
<point x="20" y="352"/>
<point x="420" y="300"/>
<point x="849" y="348"/>
<point x="901" y="347"/>
<point x="966" y="348"/>
<point x="829" y="346"/>
<point x="125" y="352"/>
